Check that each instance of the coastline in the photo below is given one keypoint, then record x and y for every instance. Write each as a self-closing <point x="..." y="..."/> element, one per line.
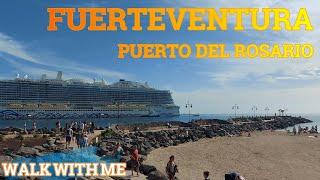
<point x="157" y="137"/>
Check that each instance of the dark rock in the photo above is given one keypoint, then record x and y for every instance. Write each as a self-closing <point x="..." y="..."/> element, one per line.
<point x="40" y="148"/>
<point x="156" y="175"/>
<point x="5" y="159"/>
<point x="147" y="169"/>
<point x="28" y="151"/>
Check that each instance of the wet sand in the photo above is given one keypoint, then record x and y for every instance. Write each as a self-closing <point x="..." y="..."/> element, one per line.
<point x="263" y="156"/>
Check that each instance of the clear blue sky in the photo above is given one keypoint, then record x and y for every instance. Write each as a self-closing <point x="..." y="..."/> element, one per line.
<point x="213" y="86"/>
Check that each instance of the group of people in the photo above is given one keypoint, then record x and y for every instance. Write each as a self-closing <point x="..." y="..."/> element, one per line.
<point x="172" y="169"/>
<point x="34" y="127"/>
<point x="314" y="129"/>
<point x="77" y="132"/>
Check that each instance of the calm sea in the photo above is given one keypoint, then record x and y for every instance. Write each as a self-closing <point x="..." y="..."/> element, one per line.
<point x="109" y="121"/>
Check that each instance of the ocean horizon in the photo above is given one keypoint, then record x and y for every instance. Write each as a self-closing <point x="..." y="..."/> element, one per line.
<point x="105" y="122"/>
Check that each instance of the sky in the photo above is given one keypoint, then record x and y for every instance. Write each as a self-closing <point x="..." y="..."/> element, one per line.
<point x="212" y="86"/>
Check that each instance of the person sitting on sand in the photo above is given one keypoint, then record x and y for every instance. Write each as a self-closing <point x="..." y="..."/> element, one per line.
<point x="171" y="168"/>
<point x="69" y="135"/>
<point x="206" y="175"/>
<point x="135" y="159"/>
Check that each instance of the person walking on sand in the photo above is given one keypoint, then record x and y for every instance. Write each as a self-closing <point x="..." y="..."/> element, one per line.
<point x="135" y="159"/>
<point x="171" y="168"/>
<point x="69" y="134"/>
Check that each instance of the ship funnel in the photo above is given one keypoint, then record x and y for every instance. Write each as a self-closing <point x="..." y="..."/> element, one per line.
<point x="59" y="76"/>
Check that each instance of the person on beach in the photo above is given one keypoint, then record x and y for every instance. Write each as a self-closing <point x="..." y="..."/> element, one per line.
<point x="206" y="175"/>
<point x="92" y="127"/>
<point x="299" y="130"/>
<point x="78" y="139"/>
<point x="34" y="126"/>
<point x="69" y="135"/>
<point x="135" y="159"/>
<point x="25" y="128"/>
<point x="118" y="152"/>
<point x="58" y="126"/>
<point x="171" y="168"/>
<point x="294" y="130"/>
<point x="82" y="126"/>
<point x="85" y="141"/>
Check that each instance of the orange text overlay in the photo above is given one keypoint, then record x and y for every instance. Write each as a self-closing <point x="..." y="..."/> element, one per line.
<point x="191" y="19"/>
<point x="211" y="51"/>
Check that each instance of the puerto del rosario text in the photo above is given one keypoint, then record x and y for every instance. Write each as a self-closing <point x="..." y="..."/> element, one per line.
<point x="63" y="169"/>
<point x="214" y="51"/>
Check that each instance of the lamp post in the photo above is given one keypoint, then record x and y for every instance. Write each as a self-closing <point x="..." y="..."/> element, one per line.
<point x="267" y="110"/>
<point x="189" y="106"/>
<point x="235" y="108"/>
<point x="254" y="109"/>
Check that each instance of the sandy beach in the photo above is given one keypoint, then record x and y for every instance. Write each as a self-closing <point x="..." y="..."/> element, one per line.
<point x="263" y="156"/>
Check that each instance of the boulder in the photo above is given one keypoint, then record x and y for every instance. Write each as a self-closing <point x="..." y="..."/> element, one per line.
<point x="5" y="159"/>
<point x="156" y="175"/>
<point x="147" y="169"/>
<point x="28" y="151"/>
<point x="40" y="148"/>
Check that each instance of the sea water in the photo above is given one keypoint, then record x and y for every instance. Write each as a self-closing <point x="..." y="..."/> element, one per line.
<point x="131" y="120"/>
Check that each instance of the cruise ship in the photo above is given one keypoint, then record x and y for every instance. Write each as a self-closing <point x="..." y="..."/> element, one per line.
<point x="23" y="98"/>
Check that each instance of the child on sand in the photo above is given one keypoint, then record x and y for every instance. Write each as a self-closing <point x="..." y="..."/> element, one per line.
<point x="171" y="168"/>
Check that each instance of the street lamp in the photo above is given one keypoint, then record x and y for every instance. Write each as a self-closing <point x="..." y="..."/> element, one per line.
<point x="189" y="106"/>
<point x="254" y="109"/>
<point x="267" y="110"/>
<point x="235" y="108"/>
